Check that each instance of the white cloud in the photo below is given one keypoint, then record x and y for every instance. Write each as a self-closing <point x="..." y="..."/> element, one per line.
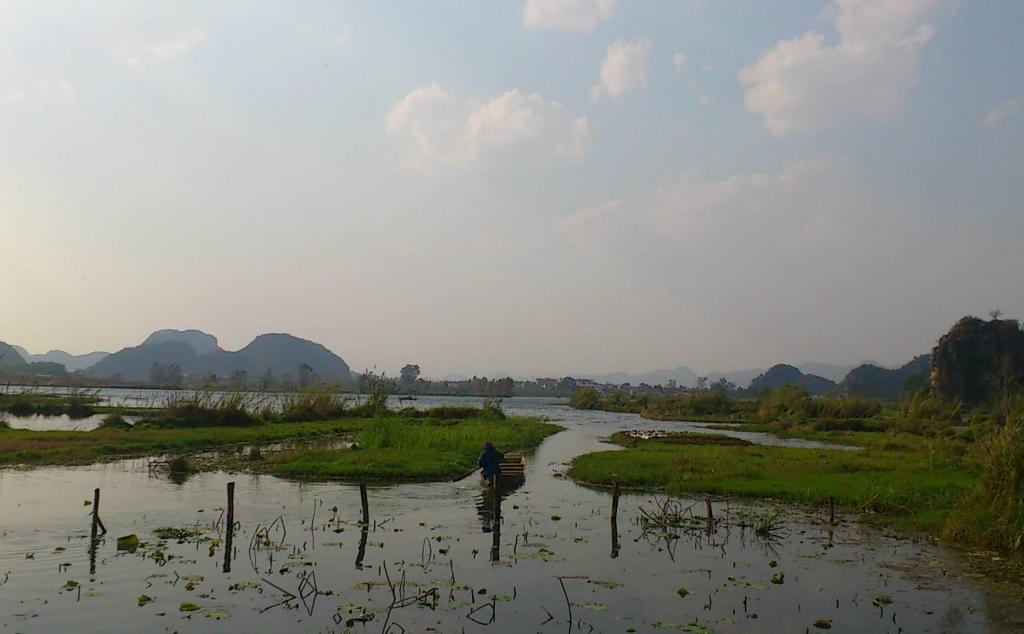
<point x="164" y="49"/>
<point x="441" y="128"/>
<point x="804" y="85"/>
<point x="591" y="227"/>
<point x="694" y="204"/>
<point x="624" y="68"/>
<point x="679" y="60"/>
<point x="1000" y="112"/>
<point x="572" y="15"/>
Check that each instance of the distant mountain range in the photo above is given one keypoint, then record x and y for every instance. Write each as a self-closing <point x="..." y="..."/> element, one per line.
<point x="685" y="377"/>
<point x="173" y="354"/>
<point x="72" y="362"/>
<point x="196" y="353"/>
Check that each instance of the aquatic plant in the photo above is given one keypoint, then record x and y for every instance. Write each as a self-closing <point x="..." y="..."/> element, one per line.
<point x="317" y="402"/>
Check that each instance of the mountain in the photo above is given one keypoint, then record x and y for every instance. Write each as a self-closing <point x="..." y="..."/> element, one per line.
<point x="73" y="362"/>
<point x="200" y="341"/>
<point x="871" y="381"/>
<point x="782" y="374"/>
<point x="739" y="378"/>
<point x="830" y="371"/>
<point x="683" y="376"/>
<point x="281" y="354"/>
<point x="978" y="360"/>
<point x="136" y="363"/>
<point x="9" y="356"/>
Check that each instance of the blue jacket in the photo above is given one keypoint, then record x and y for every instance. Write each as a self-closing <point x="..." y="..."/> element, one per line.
<point x="490" y="460"/>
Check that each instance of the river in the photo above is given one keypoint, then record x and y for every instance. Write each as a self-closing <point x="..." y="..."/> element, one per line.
<point x="429" y="562"/>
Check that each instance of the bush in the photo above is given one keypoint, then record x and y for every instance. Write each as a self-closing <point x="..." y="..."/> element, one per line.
<point x="585" y="398"/>
<point x="205" y="409"/>
<point x="993" y="515"/>
<point x="114" y="420"/>
<point x="314" y="403"/>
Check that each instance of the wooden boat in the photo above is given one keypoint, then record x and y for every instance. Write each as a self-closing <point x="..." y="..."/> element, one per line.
<point x="513" y="468"/>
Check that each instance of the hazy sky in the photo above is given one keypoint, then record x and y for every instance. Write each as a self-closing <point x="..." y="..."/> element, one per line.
<point x="536" y="186"/>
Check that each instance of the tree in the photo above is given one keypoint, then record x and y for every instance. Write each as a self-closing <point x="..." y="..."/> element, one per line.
<point x="408" y="375"/>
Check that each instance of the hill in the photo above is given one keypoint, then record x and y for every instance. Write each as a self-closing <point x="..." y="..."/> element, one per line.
<point x="200" y="341"/>
<point x="9" y="356"/>
<point x="782" y="374"/>
<point x="683" y="376"/>
<point x="872" y="381"/>
<point x="168" y="355"/>
<point x="979" y="360"/>
<point x="72" y="362"/>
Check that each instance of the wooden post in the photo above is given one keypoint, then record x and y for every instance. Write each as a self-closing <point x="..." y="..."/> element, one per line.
<point x="707" y="505"/>
<point x="615" y="520"/>
<point x="831" y="510"/>
<point x="95" y="512"/>
<point x="366" y="504"/>
<point x="229" y="540"/>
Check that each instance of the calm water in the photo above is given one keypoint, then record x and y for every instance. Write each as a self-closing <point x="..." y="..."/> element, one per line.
<point x="308" y="574"/>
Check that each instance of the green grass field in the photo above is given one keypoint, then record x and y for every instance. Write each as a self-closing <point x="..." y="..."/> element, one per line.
<point x="898" y="478"/>
<point x="413" y="449"/>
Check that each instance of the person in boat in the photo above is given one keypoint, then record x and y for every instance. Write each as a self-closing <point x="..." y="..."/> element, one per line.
<point x="490" y="460"/>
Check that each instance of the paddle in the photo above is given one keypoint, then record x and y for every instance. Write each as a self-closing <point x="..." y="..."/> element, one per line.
<point x="466" y="474"/>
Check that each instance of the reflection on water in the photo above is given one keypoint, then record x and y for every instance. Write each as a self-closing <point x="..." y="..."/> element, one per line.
<point x="560" y="560"/>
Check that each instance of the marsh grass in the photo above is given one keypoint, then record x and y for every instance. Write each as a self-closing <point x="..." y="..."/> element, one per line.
<point x="313" y="403"/>
<point x="76" y="404"/>
<point x="901" y="481"/>
<point x="205" y="408"/>
<point x="27" y="447"/>
<point x="414" y="449"/>
<point x="992" y="515"/>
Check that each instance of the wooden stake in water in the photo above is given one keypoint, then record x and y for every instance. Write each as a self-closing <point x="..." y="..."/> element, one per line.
<point x="229" y="535"/>
<point x="365" y="503"/>
<point x="95" y="512"/>
<point x="615" y="520"/>
<point x="831" y="510"/>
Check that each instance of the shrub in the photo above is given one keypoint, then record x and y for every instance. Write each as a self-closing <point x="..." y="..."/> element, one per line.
<point x="993" y="515"/>
<point x="585" y="398"/>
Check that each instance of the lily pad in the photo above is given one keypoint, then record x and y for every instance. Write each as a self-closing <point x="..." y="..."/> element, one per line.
<point x="218" y="615"/>
<point x="682" y="592"/>
<point x="822" y="624"/>
<point x="144" y="599"/>
<point x="597" y="607"/>
<point x="71" y="585"/>
<point x="188" y="607"/>
<point x="128" y="542"/>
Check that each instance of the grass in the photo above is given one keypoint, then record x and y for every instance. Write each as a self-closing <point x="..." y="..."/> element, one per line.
<point x="428" y="444"/>
<point x="898" y="478"/>
<point x="416" y="449"/>
<point x="25" y="447"/>
<point x="75" y="405"/>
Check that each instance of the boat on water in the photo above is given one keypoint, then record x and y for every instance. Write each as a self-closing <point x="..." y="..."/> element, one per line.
<point x="513" y="469"/>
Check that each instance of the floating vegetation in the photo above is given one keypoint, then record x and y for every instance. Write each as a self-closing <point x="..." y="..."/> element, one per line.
<point x="179" y="535"/>
<point x="188" y="607"/>
<point x="128" y="542"/>
<point x="144" y="599"/>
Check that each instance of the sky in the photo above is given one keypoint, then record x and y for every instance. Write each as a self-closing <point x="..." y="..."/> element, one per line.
<point x="535" y="187"/>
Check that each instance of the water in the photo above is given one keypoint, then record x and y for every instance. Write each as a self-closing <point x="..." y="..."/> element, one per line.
<point x="426" y="533"/>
